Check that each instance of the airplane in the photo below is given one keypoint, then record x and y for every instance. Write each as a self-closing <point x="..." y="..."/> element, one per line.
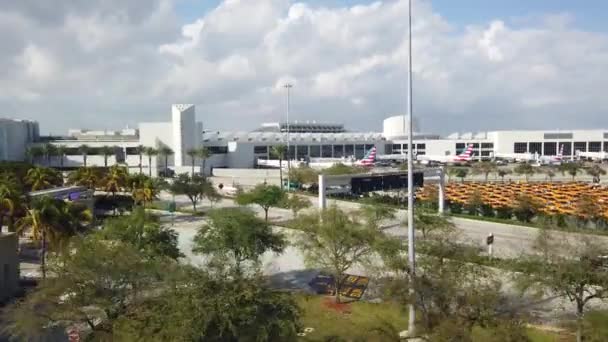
<point x="595" y="156"/>
<point x="551" y="160"/>
<point x="516" y="157"/>
<point x="464" y="157"/>
<point x="369" y="160"/>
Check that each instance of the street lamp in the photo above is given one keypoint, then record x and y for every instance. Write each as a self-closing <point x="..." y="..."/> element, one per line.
<point x="288" y="86"/>
<point x="411" y="250"/>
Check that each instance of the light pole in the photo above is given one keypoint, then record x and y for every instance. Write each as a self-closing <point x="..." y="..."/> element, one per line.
<point x="288" y="86"/>
<point x="411" y="250"/>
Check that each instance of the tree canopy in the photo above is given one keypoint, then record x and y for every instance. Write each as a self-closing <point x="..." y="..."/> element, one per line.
<point x="266" y="196"/>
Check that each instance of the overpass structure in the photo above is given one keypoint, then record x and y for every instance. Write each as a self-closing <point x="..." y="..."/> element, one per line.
<point x="362" y="183"/>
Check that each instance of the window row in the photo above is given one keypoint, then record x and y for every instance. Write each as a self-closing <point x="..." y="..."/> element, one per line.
<point x="317" y="151"/>
<point x="553" y="148"/>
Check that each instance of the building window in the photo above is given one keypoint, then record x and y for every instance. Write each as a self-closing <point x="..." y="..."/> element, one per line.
<point x="315" y="151"/>
<point x="605" y="146"/>
<point x="368" y="147"/>
<point x="550" y="149"/>
<point x="218" y="149"/>
<point x="260" y="149"/>
<point x="460" y="146"/>
<point x="595" y="146"/>
<point x="567" y="148"/>
<point x="326" y="151"/>
<point x="485" y="153"/>
<point x="397" y="148"/>
<point x="291" y="151"/>
<point x="421" y="153"/>
<point x="338" y="151"/>
<point x="558" y="136"/>
<point x="580" y="146"/>
<point x="535" y="147"/>
<point x="302" y="151"/>
<point x="520" y="147"/>
<point x="487" y="145"/>
<point x="421" y="146"/>
<point x="349" y="150"/>
<point x="133" y="151"/>
<point x="359" y="151"/>
<point x="476" y="145"/>
<point x="388" y="148"/>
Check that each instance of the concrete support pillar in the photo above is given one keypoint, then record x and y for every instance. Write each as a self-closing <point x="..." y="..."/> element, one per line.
<point x="441" y="190"/>
<point x="322" y="202"/>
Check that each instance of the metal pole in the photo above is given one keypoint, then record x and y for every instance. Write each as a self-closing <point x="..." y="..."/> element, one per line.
<point x="411" y="250"/>
<point x="288" y="86"/>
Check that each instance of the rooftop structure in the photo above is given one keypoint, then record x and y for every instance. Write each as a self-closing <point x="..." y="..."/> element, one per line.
<point x="302" y="127"/>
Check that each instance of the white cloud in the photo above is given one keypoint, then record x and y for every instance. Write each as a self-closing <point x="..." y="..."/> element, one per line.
<point x="116" y="62"/>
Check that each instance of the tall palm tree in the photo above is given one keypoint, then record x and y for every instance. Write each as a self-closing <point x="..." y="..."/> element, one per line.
<point x="279" y="151"/>
<point x="166" y="151"/>
<point x="204" y="153"/>
<point x="84" y="150"/>
<point x="144" y="192"/>
<point x="61" y="152"/>
<point x="106" y="151"/>
<point x="140" y="150"/>
<point x="33" y="153"/>
<point x="49" y="150"/>
<point x="73" y="219"/>
<point x="150" y="152"/>
<point x="40" y="218"/>
<point x="192" y="153"/>
<point x="9" y="199"/>
<point x="40" y="178"/>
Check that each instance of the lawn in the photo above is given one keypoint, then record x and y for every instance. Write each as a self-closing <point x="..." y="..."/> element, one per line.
<point x="371" y="322"/>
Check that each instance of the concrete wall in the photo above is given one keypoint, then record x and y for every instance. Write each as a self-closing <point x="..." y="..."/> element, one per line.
<point x="9" y="265"/>
<point x="184" y="131"/>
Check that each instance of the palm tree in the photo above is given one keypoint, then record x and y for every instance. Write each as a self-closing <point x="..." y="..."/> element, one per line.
<point x="40" y="218"/>
<point x="204" y="153"/>
<point x="140" y="150"/>
<point x="9" y="199"/>
<point x="34" y="152"/>
<point x="115" y="179"/>
<point x="106" y="151"/>
<point x="73" y="219"/>
<point x="166" y="151"/>
<point x="61" y="152"/>
<point x="49" y="150"/>
<point x="192" y="153"/>
<point x="40" y="178"/>
<point x="84" y="176"/>
<point x="144" y="193"/>
<point x="84" y="150"/>
<point x="150" y="152"/>
<point x="595" y="171"/>
<point x="280" y="151"/>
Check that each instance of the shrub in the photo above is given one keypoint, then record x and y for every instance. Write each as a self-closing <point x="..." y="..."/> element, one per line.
<point x="455" y="208"/>
<point x="487" y="210"/>
<point x="505" y="213"/>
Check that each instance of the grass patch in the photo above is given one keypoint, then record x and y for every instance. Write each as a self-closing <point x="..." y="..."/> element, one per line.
<point x="362" y="323"/>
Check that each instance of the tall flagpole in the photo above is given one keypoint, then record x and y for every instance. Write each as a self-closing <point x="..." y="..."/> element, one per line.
<point x="411" y="251"/>
<point x="288" y="86"/>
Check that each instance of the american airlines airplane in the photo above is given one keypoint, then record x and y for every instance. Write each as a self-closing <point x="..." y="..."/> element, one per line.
<point x="464" y="157"/>
<point x="595" y="156"/>
<point x="517" y="157"/>
<point x="551" y="160"/>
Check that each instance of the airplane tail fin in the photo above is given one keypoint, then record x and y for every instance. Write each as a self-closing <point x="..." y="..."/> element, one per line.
<point x="370" y="158"/>
<point x="467" y="154"/>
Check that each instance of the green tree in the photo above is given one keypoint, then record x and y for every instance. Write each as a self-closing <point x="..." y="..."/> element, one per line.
<point x="266" y="196"/>
<point x="236" y="236"/>
<point x="571" y="168"/>
<point x="61" y="152"/>
<point x="33" y="153"/>
<point x="39" y="178"/>
<point x="596" y="172"/>
<point x="106" y="151"/>
<point x="484" y="168"/>
<point x="502" y="173"/>
<point x="461" y="173"/>
<point x="150" y="152"/>
<point x="279" y="152"/>
<point x="144" y="191"/>
<point x="165" y="152"/>
<point x="204" y="153"/>
<point x="452" y="171"/>
<point x="303" y="175"/>
<point x="194" y="187"/>
<point x="428" y="222"/>
<point x="474" y="203"/>
<point x="192" y="153"/>
<point x="140" y="150"/>
<point x="374" y="214"/>
<point x="525" y="208"/>
<point x="335" y="241"/>
<point x="89" y="177"/>
<point x="49" y="151"/>
<point x="341" y="169"/>
<point x="296" y="204"/>
<point x="549" y="171"/>
<point x="200" y="307"/>
<point x="144" y="232"/>
<point x="10" y="199"/>
<point x="571" y="266"/>
<point x="524" y="169"/>
<point x="100" y="283"/>
<point x="84" y="150"/>
<point x="115" y="180"/>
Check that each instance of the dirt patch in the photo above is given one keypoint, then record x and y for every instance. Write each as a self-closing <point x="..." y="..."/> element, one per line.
<point x="330" y="303"/>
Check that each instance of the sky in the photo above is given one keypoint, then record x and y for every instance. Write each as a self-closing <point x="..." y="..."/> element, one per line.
<point x="477" y="64"/>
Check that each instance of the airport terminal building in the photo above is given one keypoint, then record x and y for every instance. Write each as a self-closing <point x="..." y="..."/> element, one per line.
<point x="234" y="149"/>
